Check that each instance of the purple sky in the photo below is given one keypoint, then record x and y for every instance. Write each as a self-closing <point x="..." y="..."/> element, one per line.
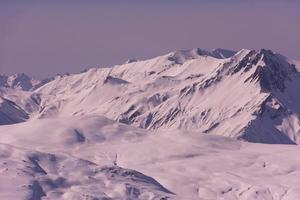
<point x="43" y="38"/>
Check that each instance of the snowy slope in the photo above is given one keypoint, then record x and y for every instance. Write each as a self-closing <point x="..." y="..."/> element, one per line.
<point x="92" y="157"/>
<point x="250" y="95"/>
<point x="38" y="161"/>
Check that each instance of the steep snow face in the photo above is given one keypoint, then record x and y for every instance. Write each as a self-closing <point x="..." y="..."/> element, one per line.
<point x="17" y="105"/>
<point x="10" y="113"/>
<point x="191" y="90"/>
<point x="92" y="157"/>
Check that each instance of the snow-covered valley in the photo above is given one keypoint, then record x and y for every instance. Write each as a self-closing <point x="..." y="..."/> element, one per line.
<point x="96" y="158"/>
<point x="186" y="125"/>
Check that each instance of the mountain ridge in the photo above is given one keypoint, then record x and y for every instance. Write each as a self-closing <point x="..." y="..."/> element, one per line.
<point x="185" y="90"/>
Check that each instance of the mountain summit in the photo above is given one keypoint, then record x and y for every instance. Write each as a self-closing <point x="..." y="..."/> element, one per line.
<point x="249" y="95"/>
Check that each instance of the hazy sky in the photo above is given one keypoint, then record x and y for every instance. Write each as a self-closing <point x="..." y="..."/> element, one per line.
<point x="43" y="38"/>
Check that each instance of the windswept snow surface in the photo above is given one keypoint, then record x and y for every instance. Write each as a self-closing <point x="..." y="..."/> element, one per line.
<point x="92" y="157"/>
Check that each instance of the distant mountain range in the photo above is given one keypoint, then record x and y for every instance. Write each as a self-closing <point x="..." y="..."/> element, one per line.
<point x="21" y="82"/>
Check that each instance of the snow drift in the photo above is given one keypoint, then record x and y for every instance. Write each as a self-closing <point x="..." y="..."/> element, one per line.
<point x="92" y="157"/>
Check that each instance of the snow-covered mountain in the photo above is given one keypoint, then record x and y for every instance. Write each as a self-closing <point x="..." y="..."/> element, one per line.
<point x="250" y="95"/>
<point x="163" y="128"/>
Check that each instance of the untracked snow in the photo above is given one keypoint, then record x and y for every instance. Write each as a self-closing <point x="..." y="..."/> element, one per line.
<point x="93" y="157"/>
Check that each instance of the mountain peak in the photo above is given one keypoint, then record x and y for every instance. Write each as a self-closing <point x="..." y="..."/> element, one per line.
<point x="21" y="81"/>
<point x="181" y="55"/>
<point x="272" y="70"/>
